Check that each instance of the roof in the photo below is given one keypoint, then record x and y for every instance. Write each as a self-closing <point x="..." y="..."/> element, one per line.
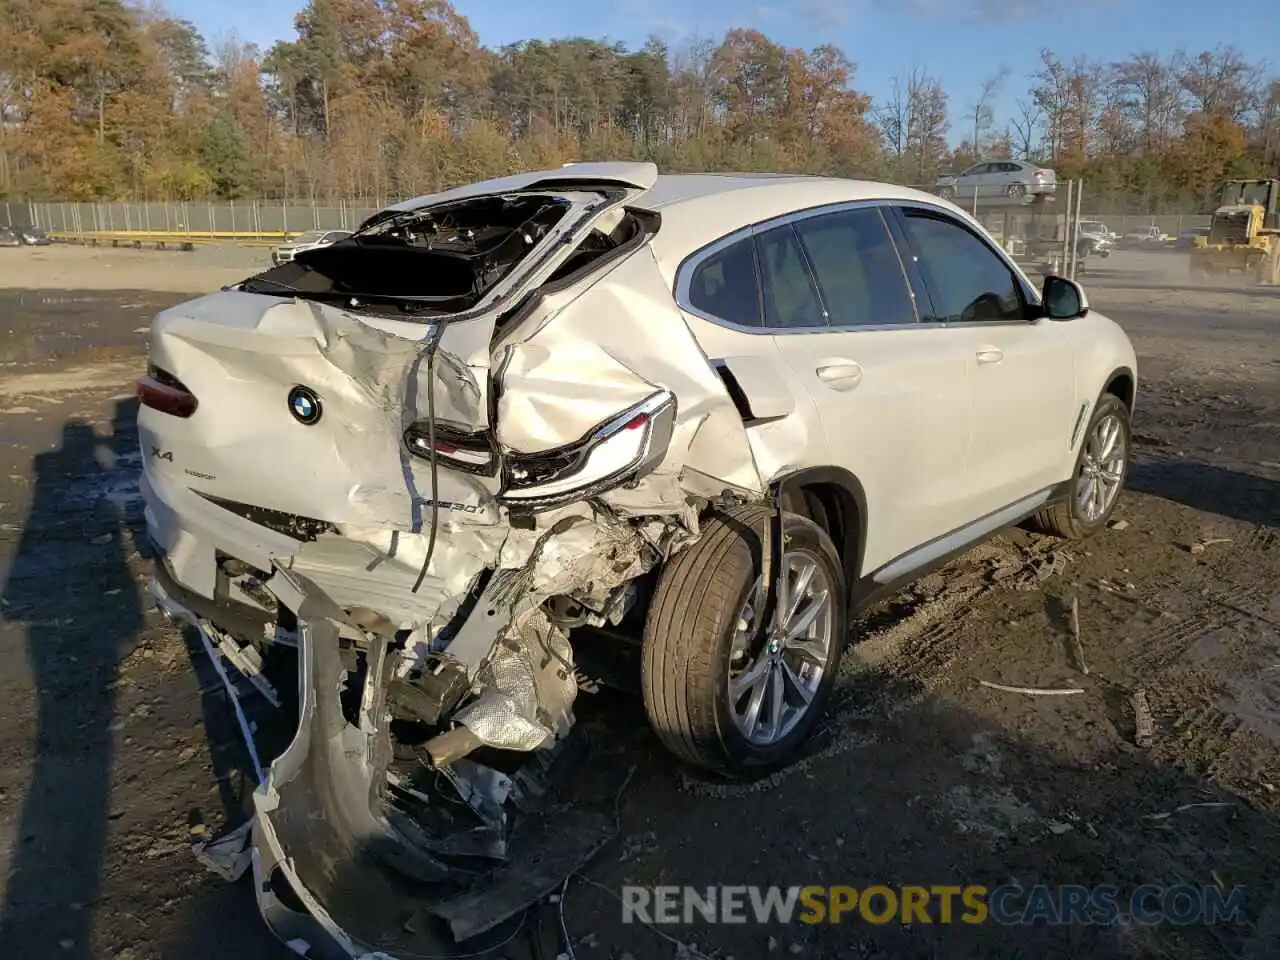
<point x="699" y="208"/>
<point x="696" y="208"/>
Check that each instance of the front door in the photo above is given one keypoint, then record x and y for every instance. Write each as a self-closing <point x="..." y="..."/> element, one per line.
<point x="1023" y="404"/>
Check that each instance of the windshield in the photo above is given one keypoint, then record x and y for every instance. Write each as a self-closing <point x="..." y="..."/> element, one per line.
<point x="311" y="236"/>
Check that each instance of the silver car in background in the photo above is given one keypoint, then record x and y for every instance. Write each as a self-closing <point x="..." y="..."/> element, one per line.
<point x="1017" y="180"/>
<point x="309" y="240"/>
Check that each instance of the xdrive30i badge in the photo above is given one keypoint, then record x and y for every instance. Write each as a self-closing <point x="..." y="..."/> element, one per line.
<point x="304" y="405"/>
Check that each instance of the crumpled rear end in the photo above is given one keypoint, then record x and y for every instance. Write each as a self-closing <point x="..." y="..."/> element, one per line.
<point x="419" y="680"/>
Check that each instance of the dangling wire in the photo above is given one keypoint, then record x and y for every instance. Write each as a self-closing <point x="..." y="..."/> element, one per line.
<point x="433" y="341"/>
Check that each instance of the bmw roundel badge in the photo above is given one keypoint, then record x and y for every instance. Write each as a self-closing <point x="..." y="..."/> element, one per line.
<point x="304" y="405"/>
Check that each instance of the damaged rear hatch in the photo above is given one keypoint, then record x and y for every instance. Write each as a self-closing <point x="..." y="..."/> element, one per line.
<point x="380" y="346"/>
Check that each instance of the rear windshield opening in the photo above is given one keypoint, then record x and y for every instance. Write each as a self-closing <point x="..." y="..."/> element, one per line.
<point x="447" y="257"/>
<point x="612" y="236"/>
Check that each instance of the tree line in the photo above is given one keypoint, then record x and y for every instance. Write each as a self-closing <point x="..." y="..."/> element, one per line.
<point x="377" y="99"/>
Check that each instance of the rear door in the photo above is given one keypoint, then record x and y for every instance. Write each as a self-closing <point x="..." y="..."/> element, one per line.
<point x="891" y="398"/>
<point x="1021" y="371"/>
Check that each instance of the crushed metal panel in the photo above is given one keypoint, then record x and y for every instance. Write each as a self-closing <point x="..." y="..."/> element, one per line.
<point x="352" y="466"/>
<point x="376" y="569"/>
<point x="610" y="346"/>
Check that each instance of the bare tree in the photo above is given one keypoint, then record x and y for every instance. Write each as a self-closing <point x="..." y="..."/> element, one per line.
<point x="1026" y="128"/>
<point x="927" y="122"/>
<point x="891" y="117"/>
<point x="981" y="113"/>
<point x="1152" y="97"/>
<point x="1222" y="81"/>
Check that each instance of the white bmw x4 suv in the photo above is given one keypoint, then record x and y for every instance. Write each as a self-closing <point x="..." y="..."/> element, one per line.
<point x="705" y="417"/>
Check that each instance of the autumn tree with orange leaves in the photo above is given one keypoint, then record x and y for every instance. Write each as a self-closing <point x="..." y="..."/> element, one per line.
<point x="376" y="99"/>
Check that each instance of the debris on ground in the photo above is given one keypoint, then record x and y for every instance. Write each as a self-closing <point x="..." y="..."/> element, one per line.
<point x="1143" y="725"/>
<point x="229" y="855"/>
<point x="1207" y="805"/>
<point x="1038" y="570"/>
<point x="1200" y="546"/>
<point x="1077" y="648"/>
<point x="1033" y="691"/>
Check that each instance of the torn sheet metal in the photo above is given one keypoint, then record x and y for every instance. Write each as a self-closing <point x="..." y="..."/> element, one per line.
<point x="350" y="466"/>
<point x="563" y="378"/>
<point x="230" y="855"/>
<point x="528" y="690"/>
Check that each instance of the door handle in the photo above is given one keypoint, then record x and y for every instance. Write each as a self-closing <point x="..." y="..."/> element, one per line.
<point x="990" y="355"/>
<point x="839" y="374"/>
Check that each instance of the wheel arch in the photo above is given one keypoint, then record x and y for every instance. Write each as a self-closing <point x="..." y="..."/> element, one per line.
<point x="1122" y="383"/>
<point x="842" y="501"/>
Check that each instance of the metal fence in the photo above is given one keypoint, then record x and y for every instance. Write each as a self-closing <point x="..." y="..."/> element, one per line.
<point x="232" y="216"/>
<point x="271" y="216"/>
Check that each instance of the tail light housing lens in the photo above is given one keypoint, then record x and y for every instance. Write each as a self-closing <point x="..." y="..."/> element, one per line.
<point x="459" y="449"/>
<point x="162" y="391"/>
<point x="623" y="448"/>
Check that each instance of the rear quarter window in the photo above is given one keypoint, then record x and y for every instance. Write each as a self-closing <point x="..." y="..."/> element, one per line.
<point x="726" y="285"/>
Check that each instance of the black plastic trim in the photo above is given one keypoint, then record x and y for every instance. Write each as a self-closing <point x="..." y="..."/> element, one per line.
<point x="868" y="591"/>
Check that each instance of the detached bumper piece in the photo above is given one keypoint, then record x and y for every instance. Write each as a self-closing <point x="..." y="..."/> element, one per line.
<point x="391" y="852"/>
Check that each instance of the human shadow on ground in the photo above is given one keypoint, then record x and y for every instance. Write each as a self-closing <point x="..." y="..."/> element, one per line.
<point x="71" y="589"/>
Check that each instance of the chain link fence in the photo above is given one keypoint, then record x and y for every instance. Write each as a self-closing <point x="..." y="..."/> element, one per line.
<point x="232" y="216"/>
<point x="270" y="216"/>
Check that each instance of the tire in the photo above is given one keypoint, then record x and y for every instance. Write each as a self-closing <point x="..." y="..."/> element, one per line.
<point x="947" y="193"/>
<point x="689" y="641"/>
<point x="1066" y="518"/>
<point x="1015" y="191"/>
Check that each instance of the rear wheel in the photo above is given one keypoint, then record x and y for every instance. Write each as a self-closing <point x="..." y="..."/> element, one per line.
<point x="1015" y="191"/>
<point x="718" y="694"/>
<point x="1101" y="470"/>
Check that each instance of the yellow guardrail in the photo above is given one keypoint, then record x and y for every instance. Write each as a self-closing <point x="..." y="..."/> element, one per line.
<point x="177" y="239"/>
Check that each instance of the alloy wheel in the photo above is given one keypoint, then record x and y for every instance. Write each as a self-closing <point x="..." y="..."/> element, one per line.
<point x="771" y="690"/>
<point x="1101" y="469"/>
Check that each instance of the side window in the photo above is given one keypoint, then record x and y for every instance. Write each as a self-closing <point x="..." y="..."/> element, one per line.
<point x="857" y="268"/>
<point x="726" y="286"/>
<point x="966" y="279"/>
<point x="790" y="299"/>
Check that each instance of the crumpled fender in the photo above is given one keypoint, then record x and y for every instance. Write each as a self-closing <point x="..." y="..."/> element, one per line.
<point x="608" y="348"/>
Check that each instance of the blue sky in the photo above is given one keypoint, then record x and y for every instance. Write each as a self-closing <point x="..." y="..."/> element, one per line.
<point x="959" y="41"/>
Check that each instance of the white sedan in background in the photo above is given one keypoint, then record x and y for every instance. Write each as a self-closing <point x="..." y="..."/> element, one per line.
<point x="309" y="240"/>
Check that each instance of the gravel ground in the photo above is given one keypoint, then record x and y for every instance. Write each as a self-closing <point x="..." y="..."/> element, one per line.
<point x="111" y="760"/>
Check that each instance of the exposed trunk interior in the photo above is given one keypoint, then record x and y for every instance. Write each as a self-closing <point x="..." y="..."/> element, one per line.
<point x="444" y="257"/>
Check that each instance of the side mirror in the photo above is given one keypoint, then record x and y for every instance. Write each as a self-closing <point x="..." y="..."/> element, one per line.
<point x="1063" y="299"/>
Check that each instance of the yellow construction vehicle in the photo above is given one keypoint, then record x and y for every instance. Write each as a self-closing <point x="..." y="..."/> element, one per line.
<point x="1244" y="234"/>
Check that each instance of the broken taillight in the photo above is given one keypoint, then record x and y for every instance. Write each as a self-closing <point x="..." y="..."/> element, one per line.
<point x="469" y="452"/>
<point x="162" y="391"/>
<point x="623" y="447"/>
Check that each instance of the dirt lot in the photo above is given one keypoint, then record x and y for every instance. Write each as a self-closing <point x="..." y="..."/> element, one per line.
<point x="111" y="761"/>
